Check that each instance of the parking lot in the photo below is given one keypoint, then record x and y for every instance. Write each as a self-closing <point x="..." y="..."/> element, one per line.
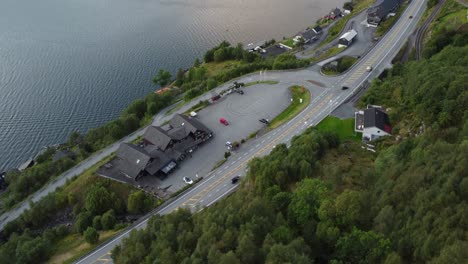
<point x="243" y="113"/>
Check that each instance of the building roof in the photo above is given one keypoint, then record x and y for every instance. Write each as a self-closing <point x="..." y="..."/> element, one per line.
<point x="308" y="34"/>
<point x="383" y="7"/>
<point x="133" y="159"/>
<point x="317" y="29"/>
<point x="179" y="133"/>
<point x="374" y="117"/>
<point x="158" y="137"/>
<point x="190" y="124"/>
<point x="336" y="12"/>
<point x="159" y="161"/>
<point x="350" y="35"/>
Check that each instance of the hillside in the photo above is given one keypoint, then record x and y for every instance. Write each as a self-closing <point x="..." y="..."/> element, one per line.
<point x="322" y="201"/>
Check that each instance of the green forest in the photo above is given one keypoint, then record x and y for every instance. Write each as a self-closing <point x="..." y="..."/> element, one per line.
<point x="326" y="201"/>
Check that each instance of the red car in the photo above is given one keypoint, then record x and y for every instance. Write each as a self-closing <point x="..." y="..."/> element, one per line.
<point x="223" y="121"/>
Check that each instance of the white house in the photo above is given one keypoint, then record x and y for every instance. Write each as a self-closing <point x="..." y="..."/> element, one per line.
<point x="372" y="123"/>
<point x="347" y="38"/>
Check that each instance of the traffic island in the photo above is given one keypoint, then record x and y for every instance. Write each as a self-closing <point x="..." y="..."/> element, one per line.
<point x="300" y="99"/>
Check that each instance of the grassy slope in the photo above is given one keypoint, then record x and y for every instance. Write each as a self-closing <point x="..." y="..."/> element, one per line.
<point x="344" y="128"/>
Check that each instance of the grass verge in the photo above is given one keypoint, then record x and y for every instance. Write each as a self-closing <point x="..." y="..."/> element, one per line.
<point x="288" y="42"/>
<point x="73" y="246"/>
<point x="177" y="107"/>
<point x="298" y="92"/>
<point x="344" y="128"/>
<point x="219" y="164"/>
<point x="327" y="54"/>
<point x="261" y="82"/>
<point x="198" y="107"/>
<point x="344" y="63"/>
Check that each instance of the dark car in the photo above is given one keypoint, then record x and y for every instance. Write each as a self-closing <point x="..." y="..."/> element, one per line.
<point x="240" y="92"/>
<point x="344" y="88"/>
<point x="263" y="120"/>
<point x="235" y="179"/>
<point x="216" y="97"/>
<point x="410" y="17"/>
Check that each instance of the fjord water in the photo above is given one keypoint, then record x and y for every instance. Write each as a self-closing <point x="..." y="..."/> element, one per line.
<point x="75" y="64"/>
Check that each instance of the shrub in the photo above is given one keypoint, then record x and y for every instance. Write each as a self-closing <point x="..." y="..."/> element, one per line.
<point x="108" y="220"/>
<point x="91" y="235"/>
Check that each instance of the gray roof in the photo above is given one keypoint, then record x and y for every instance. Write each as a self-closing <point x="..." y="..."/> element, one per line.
<point x="157" y="136"/>
<point x="308" y="34"/>
<point x="159" y="160"/>
<point x="133" y="159"/>
<point x="350" y="35"/>
<point x="317" y="29"/>
<point x="336" y="11"/>
<point x="383" y="7"/>
<point x="179" y="133"/>
<point x="190" y="123"/>
<point x="374" y="117"/>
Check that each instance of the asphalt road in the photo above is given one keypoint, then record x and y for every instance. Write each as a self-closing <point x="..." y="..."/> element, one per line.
<point x="217" y="185"/>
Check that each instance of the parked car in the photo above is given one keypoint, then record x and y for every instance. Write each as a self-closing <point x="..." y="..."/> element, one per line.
<point x="193" y="114"/>
<point x="344" y="88"/>
<point x="265" y="121"/>
<point x="187" y="180"/>
<point x="224" y="121"/>
<point x="240" y="92"/>
<point x="235" y="179"/>
<point x="216" y="97"/>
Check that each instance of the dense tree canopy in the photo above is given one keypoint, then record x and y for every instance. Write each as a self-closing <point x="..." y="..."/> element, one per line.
<point x="297" y="205"/>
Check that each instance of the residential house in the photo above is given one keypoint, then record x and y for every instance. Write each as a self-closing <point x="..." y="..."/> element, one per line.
<point x="317" y="30"/>
<point x="373" y="123"/>
<point x="335" y="13"/>
<point x="380" y="10"/>
<point x="347" y="38"/>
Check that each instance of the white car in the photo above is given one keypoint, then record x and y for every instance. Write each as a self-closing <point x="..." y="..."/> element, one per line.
<point x="187" y="180"/>
<point x="193" y="114"/>
<point x="369" y="68"/>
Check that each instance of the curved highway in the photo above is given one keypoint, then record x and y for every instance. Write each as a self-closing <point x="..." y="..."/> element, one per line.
<point x="217" y="185"/>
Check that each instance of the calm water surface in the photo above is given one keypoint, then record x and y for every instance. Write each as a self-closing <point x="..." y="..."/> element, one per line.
<point x="75" y="64"/>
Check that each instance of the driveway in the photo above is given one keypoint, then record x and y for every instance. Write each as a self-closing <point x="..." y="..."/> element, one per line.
<point x="360" y="46"/>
